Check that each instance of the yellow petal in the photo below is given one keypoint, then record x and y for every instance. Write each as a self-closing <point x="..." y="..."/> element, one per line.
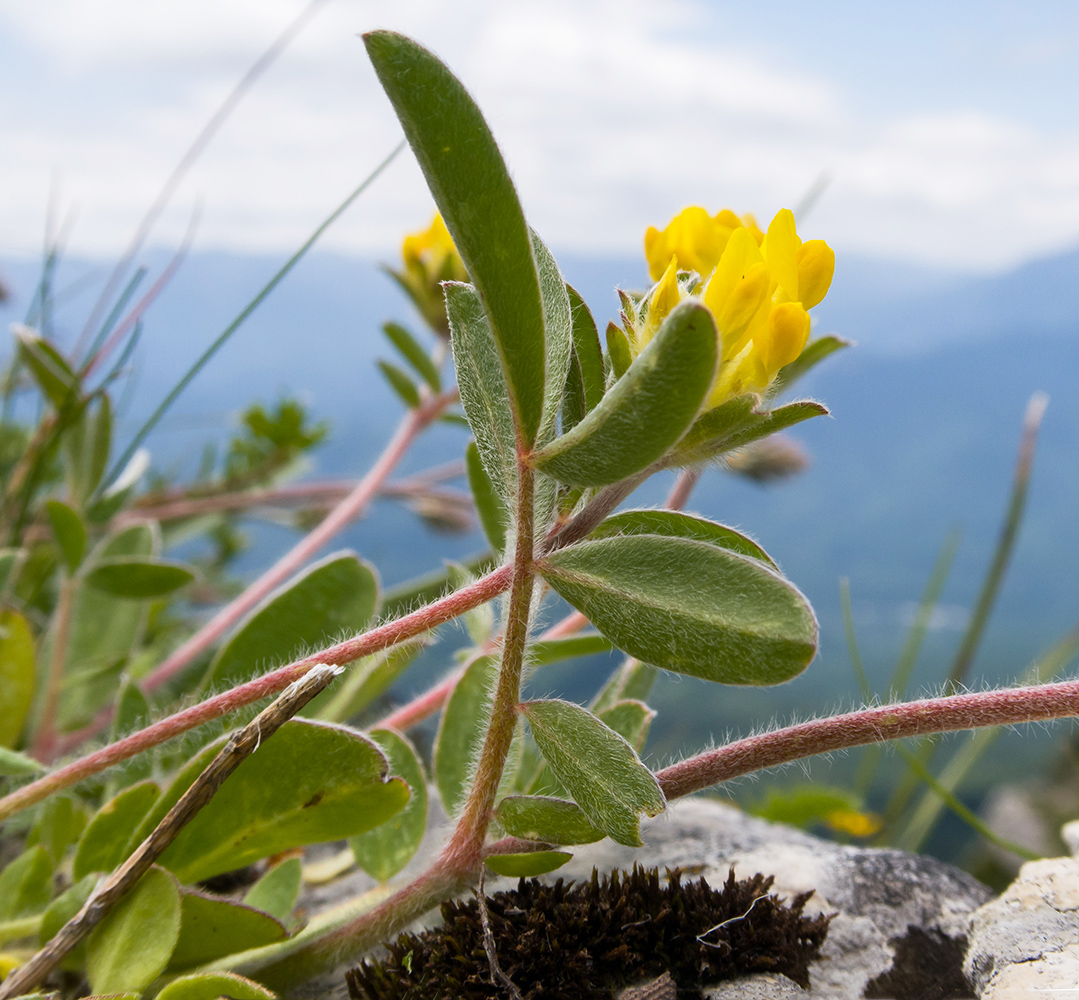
<point x="735" y="307"/>
<point x="780" y="248"/>
<point x="786" y="336"/>
<point x="816" y="265"/>
<point x="665" y="296"/>
<point x="692" y="236"/>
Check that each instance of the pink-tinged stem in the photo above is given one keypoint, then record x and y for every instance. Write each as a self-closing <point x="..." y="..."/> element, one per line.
<point x="871" y="725"/>
<point x="426" y="618"/>
<point x="342" y="515"/>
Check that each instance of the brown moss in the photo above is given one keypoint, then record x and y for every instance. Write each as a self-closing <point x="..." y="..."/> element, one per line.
<point x="580" y="941"/>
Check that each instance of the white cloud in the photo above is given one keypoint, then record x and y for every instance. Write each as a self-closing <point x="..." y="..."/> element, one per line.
<point x="611" y="115"/>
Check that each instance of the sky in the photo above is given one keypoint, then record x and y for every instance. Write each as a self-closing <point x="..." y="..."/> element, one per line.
<point x="948" y="132"/>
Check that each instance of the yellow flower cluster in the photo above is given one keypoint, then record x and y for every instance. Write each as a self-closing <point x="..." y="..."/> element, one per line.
<point x="758" y="285"/>
<point x="430" y="258"/>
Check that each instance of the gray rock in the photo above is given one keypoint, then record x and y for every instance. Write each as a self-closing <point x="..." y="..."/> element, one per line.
<point x="1027" y="941"/>
<point x="759" y="987"/>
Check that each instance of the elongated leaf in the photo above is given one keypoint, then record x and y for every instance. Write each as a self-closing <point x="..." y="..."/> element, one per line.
<point x="586" y="350"/>
<point x="545" y="651"/>
<point x="558" y="327"/>
<point x="47" y="366"/>
<point x="86" y="447"/>
<point x="632" y="681"/>
<point x="277" y="891"/>
<point x="130" y="948"/>
<point x="311" y="782"/>
<point x="646" y="411"/>
<point x="482" y="385"/>
<point x="336" y="595"/>
<point x="414" y="354"/>
<point x="17" y="680"/>
<point x="107" y="839"/>
<point x="411" y="594"/>
<point x="26" y="884"/>
<point x="527" y="865"/>
<point x="675" y="524"/>
<point x="142" y="579"/>
<point x="812" y="355"/>
<point x="211" y="927"/>
<point x="17" y="765"/>
<point x="546" y="819"/>
<point x="631" y="720"/>
<point x="689" y="607"/>
<point x="58" y="826"/>
<point x="739" y="422"/>
<point x="597" y="766"/>
<point x="69" y="531"/>
<point x="212" y="985"/>
<point x="401" y="384"/>
<point x="476" y="197"/>
<point x="384" y="851"/>
<point x="490" y="507"/>
<point x="366" y="681"/>
<point x="618" y="350"/>
<point x="460" y="731"/>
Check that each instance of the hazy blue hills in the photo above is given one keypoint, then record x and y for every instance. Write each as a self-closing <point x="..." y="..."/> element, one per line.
<point x="926" y="415"/>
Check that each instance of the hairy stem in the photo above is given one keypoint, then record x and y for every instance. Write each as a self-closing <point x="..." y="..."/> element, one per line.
<point x="871" y="725"/>
<point x="426" y="618"/>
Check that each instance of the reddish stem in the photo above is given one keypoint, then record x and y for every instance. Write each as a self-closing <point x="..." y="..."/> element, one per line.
<point x="423" y="620"/>
<point x="870" y="725"/>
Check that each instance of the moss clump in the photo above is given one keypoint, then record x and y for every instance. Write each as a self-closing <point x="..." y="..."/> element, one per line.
<point x="582" y="940"/>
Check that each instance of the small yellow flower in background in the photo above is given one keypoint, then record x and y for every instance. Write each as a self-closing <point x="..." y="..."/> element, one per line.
<point x="430" y="258"/>
<point x="857" y="824"/>
<point x="758" y="286"/>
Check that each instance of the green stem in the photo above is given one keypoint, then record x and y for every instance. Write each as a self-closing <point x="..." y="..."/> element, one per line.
<point x="16" y="930"/>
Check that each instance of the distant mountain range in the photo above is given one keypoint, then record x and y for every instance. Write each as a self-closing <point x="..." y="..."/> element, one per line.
<point x="926" y="413"/>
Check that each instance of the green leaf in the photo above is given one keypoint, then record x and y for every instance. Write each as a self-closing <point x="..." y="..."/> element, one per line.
<point x="558" y="326"/>
<point x="414" y="354"/>
<point x="131" y="946"/>
<point x="490" y="507"/>
<point x="546" y="819"/>
<point x="461" y="730"/>
<point x="401" y="384"/>
<point x="277" y="891"/>
<point x="587" y="352"/>
<point x="311" y="782"/>
<point x="545" y="651"/>
<point x="86" y="446"/>
<point x="384" y="851"/>
<point x="47" y="366"/>
<point x="646" y="411"/>
<point x="60" y="911"/>
<point x="739" y="422"/>
<point x="132" y="714"/>
<point x="482" y="385"/>
<point x="106" y="841"/>
<point x="17" y="765"/>
<point x="688" y="606"/>
<point x="26" y="884"/>
<point x="812" y="355"/>
<point x="618" y="350"/>
<point x="632" y="681"/>
<point x="69" y="531"/>
<point x="212" y="985"/>
<point x="597" y="767"/>
<point x="141" y="579"/>
<point x="58" y="826"/>
<point x="211" y="927"/>
<point x="527" y="865"/>
<point x="631" y="720"/>
<point x="368" y="680"/>
<point x="474" y="193"/>
<point x="675" y="524"/>
<point x="411" y="594"/>
<point x="336" y="595"/>
<point x="17" y="681"/>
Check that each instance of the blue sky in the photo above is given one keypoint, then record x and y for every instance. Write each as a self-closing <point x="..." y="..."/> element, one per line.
<point x="950" y="130"/>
